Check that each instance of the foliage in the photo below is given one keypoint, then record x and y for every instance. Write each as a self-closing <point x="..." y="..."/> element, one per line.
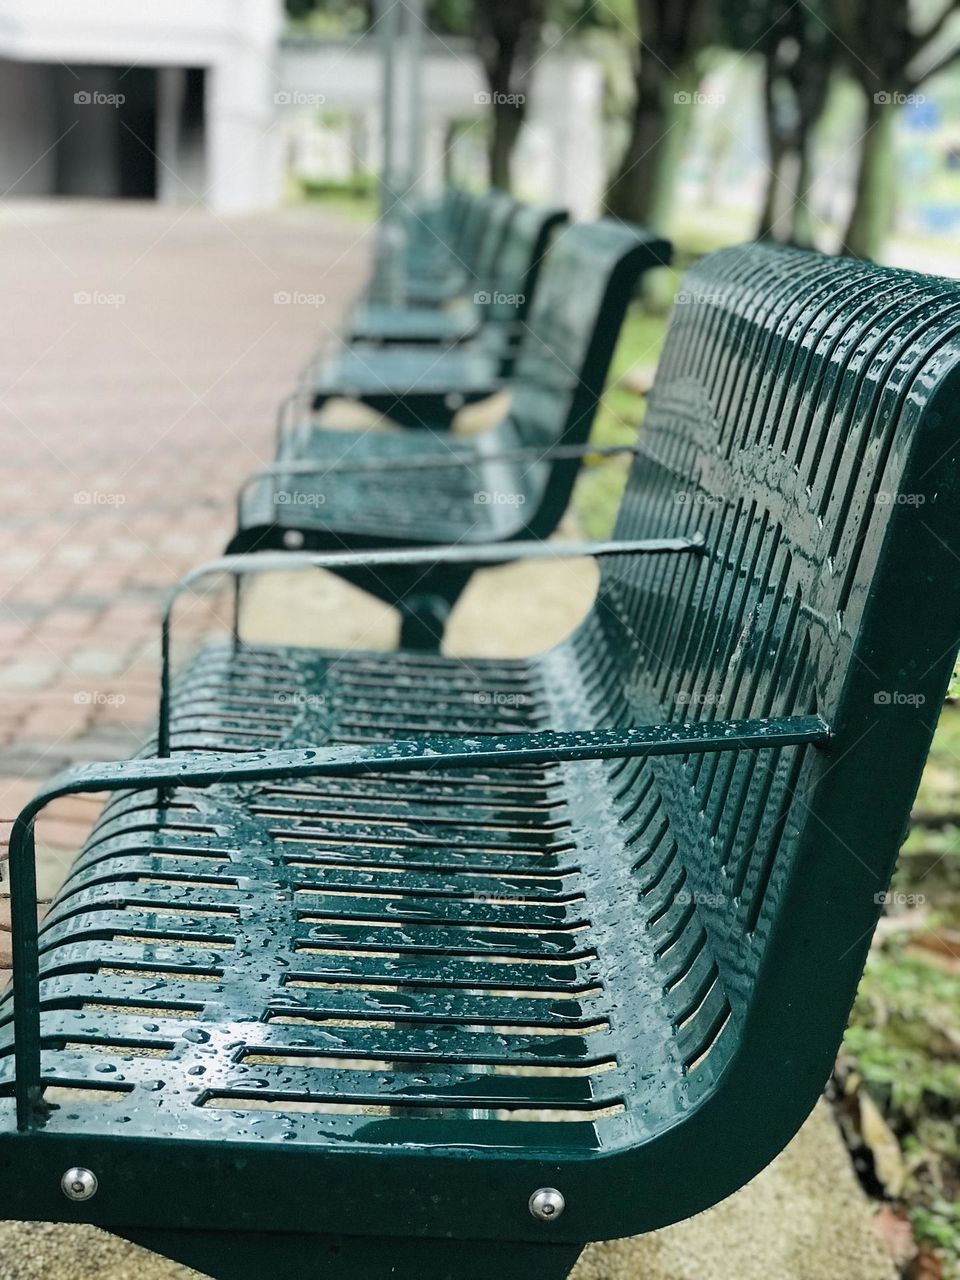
<point x="891" y="47"/>
<point x="904" y="1033"/>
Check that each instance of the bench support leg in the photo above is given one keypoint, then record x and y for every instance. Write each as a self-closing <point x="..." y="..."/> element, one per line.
<point x="422" y="620"/>
<point x="252" y="1256"/>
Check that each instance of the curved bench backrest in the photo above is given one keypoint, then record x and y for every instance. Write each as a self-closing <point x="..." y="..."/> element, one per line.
<point x="516" y="270"/>
<point x="804" y="421"/>
<point x="568" y="340"/>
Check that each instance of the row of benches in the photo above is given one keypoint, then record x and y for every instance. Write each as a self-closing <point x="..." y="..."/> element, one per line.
<point x="392" y="965"/>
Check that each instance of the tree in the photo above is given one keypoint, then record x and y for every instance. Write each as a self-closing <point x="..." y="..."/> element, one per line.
<point x="672" y="33"/>
<point x="799" y="55"/>
<point x="508" y="36"/>
<point x="890" y="53"/>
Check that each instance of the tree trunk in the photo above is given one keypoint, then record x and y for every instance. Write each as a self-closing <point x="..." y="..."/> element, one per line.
<point x="872" y="214"/>
<point x="505" y="130"/>
<point x="775" y="151"/>
<point x="643" y="189"/>
<point x="801" y="219"/>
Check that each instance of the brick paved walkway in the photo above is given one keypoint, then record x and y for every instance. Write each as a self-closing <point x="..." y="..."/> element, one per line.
<point x="143" y="352"/>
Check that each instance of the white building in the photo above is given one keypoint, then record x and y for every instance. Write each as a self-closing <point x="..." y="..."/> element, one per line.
<point x="186" y="100"/>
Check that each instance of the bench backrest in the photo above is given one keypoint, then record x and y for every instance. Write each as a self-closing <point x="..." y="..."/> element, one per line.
<point x="498" y="211"/>
<point x="568" y="339"/>
<point x="804" y="421"/>
<point x="516" y="270"/>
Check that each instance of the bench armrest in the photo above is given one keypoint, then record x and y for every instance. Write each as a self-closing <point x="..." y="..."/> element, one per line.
<point x="429" y="462"/>
<point x="239" y="566"/>
<point x="200" y="769"/>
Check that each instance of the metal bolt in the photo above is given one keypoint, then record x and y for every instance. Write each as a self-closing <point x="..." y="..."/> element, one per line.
<point x="78" y="1184"/>
<point x="547" y="1204"/>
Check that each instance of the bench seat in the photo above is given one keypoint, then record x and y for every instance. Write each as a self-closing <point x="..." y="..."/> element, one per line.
<point x="365" y="952"/>
<point x="486" y="498"/>
<point x="416" y="386"/>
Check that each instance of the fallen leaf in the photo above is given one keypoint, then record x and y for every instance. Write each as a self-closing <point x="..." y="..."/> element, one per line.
<point x="896" y="1235"/>
<point x="884" y="1147"/>
<point x="639" y="379"/>
<point x="942" y="947"/>
<point x="925" y="1266"/>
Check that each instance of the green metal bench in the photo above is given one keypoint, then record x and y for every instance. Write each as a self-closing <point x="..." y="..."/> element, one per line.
<point x="419" y="384"/>
<point x="435" y="240"/>
<point x="440" y="308"/>
<point x="415" y="967"/>
<point x="336" y="490"/>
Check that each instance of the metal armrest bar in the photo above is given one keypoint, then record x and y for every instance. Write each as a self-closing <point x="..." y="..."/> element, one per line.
<point x="431" y="461"/>
<point x="199" y="769"/>
<point x="484" y="555"/>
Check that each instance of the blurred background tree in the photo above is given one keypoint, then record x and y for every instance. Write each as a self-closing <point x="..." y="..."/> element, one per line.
<point x="890" y="48"/>
<point x="799" y="52"/>
<point x="655" y="54"/>
<point x="668" y="38"/>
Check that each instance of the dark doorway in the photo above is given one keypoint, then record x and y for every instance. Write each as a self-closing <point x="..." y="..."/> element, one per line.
<point x="137" y="137"/>
<point x="107" y="126"/>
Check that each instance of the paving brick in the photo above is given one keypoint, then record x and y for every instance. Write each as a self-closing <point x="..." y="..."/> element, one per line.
<point x="83" y="582"/>
<point x="28" y="674"/>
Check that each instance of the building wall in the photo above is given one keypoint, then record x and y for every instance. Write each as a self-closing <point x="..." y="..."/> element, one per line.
<point x="260" y="93"/>
<point x="235" y="40"/>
